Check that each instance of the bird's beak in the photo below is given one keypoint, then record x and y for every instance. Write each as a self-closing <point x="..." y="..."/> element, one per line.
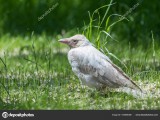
<point x="65" y="41"/>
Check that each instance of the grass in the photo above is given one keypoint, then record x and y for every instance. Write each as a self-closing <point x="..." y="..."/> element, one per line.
<point x="35" y="74"/>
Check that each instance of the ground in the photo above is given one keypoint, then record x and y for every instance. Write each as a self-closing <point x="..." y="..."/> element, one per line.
<point x="35" y="74"/>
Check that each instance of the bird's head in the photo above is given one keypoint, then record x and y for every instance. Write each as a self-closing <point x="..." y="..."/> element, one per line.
<point x="75" y="41"/>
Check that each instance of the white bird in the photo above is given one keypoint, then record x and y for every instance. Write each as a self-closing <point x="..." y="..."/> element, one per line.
<point x="92" y="67"/>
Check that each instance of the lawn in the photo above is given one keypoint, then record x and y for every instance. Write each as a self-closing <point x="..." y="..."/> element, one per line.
<point x="35" y="74"/>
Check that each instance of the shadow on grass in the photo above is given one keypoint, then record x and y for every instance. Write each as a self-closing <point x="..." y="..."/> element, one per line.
<point x="8" y="106"/>
<point x="111" y="94"/>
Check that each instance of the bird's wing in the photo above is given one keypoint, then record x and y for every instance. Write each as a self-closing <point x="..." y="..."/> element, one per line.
<point x="132" y="85"/>
<point x="100" y="66"/>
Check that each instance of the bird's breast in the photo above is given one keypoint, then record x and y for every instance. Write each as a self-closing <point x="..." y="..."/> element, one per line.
<point x="78" y="58"/>
<point x="76" y="54"/>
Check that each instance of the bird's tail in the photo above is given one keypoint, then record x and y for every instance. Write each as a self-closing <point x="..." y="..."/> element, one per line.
<point x="134" y="92"/>
<point x="135" y="87"/>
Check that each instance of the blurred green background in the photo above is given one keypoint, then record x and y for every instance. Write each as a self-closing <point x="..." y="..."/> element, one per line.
<point x="21" y="17"/>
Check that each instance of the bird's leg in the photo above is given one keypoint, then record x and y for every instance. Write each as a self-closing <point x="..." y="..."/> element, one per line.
<point x="101" y="88"/>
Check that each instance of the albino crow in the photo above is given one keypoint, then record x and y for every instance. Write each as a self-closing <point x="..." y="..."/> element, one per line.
<point x="92" y="67"/>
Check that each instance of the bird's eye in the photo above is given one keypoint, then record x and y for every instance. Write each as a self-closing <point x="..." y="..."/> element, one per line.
<point x="74" y="41"/>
